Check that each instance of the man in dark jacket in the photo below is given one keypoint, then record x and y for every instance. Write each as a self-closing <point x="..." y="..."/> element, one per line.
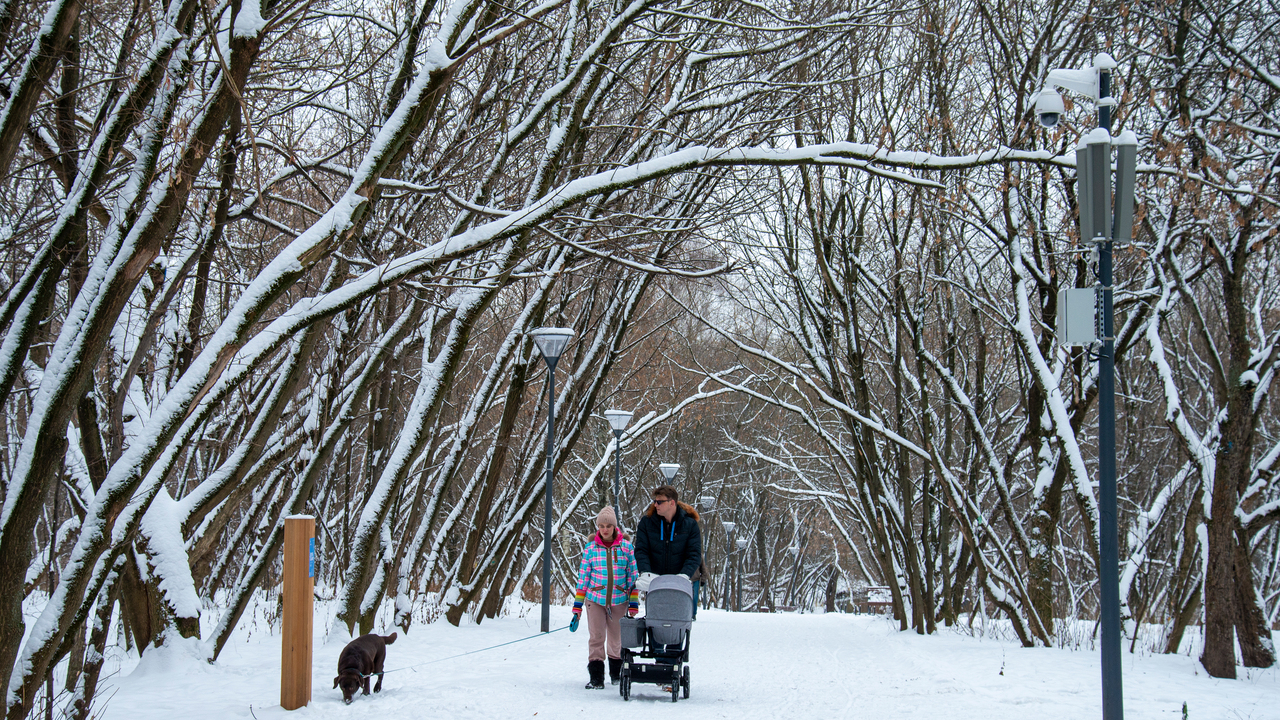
<point x="668" y="541"/>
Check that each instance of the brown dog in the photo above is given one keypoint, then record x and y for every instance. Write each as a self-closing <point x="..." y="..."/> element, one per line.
<point x="360" y="659"/>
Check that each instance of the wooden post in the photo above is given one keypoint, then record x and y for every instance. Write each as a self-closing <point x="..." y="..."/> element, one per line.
<point x="299" y="602"/>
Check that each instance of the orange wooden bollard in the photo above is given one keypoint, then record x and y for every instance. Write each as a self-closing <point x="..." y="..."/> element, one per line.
<point x="299" y="605"/>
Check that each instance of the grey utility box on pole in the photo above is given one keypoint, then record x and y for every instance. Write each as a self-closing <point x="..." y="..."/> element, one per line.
<point x="1077" y="315"/>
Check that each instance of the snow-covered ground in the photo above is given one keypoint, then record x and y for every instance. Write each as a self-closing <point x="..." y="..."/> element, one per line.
<point x="743" y="666"/>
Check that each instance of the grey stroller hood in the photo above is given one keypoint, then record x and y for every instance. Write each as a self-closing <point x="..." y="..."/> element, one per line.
<point x="668" y="608"/>
<point x="670" y="598"/>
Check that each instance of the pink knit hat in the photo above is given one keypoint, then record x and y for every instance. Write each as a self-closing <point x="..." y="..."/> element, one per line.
<point x="606" y="515"/>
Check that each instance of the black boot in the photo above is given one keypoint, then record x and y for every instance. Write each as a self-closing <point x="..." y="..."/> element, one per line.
<point x="596" y="669"/>
<point x="615" y="670"/>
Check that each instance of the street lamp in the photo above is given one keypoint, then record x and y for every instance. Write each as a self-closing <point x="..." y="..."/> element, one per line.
<point x="618" y="420"/>
<point x="551" y="343"/>
<point x="1098" y="224"/>
<point x="737" y="574"/>
<point x="669" y="470"/>
<point x="728" y="560"/>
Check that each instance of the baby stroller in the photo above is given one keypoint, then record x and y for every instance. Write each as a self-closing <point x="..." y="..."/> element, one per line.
<point x="662" y="635"/>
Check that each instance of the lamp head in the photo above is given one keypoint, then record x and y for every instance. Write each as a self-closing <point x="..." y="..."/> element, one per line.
<point x="551" y="341"/>
<point x="1049" y="107"/>
<point x="707" y="502"/>
<point x="729" y="526"/>
<point x="618" y="419"/>
<point x="741" y="543"/>
<point x="669" y="470"/>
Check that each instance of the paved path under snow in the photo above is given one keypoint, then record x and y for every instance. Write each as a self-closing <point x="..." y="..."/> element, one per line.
<point x="743" y="666"/>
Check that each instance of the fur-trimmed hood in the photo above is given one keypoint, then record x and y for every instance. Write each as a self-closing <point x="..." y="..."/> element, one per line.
<point x="688" y="510"/>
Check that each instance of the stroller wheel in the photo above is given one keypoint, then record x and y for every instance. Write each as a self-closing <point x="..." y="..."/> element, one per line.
<point x="675" y="687"/>
<point x="624" y="688"/>
<point x="684" y="682"/>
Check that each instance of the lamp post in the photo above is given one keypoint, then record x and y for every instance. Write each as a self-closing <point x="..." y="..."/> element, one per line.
<point x="618" y="420"/>
<point x="737" y="573"/>
<point x="551" y="343"/>
<point x="728" y="560"/>
<point x="1099" y="225"/>
<point x="708" y="505"/>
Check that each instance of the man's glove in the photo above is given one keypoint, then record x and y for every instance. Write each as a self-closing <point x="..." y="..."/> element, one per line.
<point x="643" y="583"/>
<point x="573" y="624"/>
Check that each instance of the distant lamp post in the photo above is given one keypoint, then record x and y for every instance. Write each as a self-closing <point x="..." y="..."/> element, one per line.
<point x="618" y="420"/>
<point x="737" y="600"/>
<point x="551" y="343"/>
<point x="728" y="560"/>
<point x="669" y="470"/>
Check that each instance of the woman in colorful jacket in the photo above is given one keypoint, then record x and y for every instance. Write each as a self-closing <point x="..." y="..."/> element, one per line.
<point x="607" y="588"/>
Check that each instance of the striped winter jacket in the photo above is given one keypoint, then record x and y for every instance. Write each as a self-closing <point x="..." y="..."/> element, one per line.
<point x="607" y="566"/>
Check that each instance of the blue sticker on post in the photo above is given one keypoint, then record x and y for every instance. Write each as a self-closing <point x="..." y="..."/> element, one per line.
<point x="311" y="557"/>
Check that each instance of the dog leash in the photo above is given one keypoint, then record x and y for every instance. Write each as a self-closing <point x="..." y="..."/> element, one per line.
<point x="470" y="652"/>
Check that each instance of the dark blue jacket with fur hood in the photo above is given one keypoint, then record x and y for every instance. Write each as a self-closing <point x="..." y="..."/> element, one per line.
<point x="668" y="548"/>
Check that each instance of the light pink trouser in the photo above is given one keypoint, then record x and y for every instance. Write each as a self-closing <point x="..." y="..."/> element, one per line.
<point x="596" y="623"/>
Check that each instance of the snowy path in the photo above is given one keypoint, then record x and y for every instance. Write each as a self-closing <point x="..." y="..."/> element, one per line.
<point x="743" y="666"/>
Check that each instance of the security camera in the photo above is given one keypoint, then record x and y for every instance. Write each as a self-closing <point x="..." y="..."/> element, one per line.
<point x="1049" y="107"/>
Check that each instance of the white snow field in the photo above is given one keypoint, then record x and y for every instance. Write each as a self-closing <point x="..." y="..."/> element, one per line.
<point x="743" y="665"/>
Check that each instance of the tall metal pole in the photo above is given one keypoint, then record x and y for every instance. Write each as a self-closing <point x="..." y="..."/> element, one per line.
<point x="737" y="578"/>
<point x="1108" y="540"/>
<point x="728" y="562"/>
<point x="617" y="475"/>
<point x="546" y="519"/>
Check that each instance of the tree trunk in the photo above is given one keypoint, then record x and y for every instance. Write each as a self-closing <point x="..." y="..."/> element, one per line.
<point x="142" y="608"/>
<point x="82" y="702"/>
<point x="948" y="609"/>
<point x="1252" y="630"/>
<point x="1229" y="595"/>
<point x="1186" y="585"/>
<point x="471" y="577"/>
<point x="1219" y="656"/>
<point x="200" y="290"/>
